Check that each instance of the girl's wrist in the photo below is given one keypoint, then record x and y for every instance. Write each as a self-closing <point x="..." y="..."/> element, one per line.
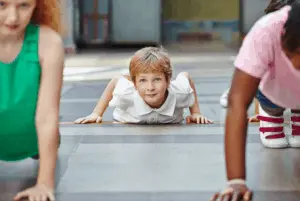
<point x="236" y="181"/>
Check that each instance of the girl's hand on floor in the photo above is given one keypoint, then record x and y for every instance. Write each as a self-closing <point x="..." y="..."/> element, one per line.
<point x="235" y="192"/>
<point x="36" y="193"/>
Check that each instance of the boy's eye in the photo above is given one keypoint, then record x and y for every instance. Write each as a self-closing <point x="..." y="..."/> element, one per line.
<point x="157" y="79"/>
<point x="142" y="80"/>
<point x="24" y="4"/>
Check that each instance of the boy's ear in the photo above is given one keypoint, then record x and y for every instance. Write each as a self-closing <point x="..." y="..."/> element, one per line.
<point x="134" y="83"/>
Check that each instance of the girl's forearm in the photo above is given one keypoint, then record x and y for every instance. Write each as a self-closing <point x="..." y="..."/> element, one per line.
<point x="48" y="140"/>
<point x="235" y="142"/>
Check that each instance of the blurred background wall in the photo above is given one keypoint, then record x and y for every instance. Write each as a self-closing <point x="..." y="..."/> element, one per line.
<point x="109" y="22"/>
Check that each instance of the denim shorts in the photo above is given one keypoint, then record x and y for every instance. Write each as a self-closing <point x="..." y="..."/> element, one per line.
<point x="265" y="101"/>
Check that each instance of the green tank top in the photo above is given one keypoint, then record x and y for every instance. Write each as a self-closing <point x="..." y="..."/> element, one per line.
<point x="19" y="87"/>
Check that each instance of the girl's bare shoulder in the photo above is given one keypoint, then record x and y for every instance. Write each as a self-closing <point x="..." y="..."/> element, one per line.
<point x="50" y="42"/>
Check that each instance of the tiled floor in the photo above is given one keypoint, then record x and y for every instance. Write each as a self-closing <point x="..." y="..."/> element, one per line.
<point x="116" y="162"/>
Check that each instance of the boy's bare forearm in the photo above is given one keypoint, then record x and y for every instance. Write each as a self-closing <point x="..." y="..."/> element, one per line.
<point x="194" y="109"/>
<point x="106" y="97"/>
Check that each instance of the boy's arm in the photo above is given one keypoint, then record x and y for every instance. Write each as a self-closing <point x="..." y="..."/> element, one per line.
<point x="194" y="109"/>
<point x="106" y="96"/>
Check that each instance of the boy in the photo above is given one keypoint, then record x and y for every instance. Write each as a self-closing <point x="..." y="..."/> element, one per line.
<point x="148" y="95"/>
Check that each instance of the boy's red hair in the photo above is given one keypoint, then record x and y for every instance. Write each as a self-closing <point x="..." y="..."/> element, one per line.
<point x="150" y="60"/>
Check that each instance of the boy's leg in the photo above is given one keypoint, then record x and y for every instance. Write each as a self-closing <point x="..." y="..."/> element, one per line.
<point x="294" y="140"/>
<point x="271" y="123"/>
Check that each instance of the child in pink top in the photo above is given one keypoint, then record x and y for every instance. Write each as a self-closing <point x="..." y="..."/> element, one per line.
<point x="268" y="67"/>
<point x="269" y="57"/>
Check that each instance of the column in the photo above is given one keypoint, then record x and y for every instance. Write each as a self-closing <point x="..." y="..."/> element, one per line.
<point x="67" y="18"/>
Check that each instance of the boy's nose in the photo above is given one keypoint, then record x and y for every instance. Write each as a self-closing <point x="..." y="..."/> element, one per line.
<point x="150" y="86"/>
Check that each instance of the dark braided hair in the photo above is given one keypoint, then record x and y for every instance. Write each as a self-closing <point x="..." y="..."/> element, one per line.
<point x="275" y="5"/>
<point x="291" y="36"/>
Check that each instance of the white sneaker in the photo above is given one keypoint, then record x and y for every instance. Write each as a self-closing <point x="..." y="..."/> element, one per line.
<point x="294" y="139"/>
<point x="224" y="98"/>
<point x="271" y="130"/>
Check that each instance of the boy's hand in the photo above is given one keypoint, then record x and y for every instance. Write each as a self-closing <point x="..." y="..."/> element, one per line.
<point x="234" y="192"/>
<point x="92" y="118"/>
<point x="197" y="118"/>
<point x="37" y="193"/>
<point x="253" y="119"/>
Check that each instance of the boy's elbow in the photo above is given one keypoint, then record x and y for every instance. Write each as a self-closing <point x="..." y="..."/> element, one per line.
<point x="188" y="77"/>
<point x="186" y="74"/>
<point x="115" y="80"/>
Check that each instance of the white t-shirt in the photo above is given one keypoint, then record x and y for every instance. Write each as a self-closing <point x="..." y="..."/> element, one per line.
<point x="131" y="108"/>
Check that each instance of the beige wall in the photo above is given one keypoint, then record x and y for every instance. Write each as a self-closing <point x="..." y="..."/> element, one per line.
<point x="201" y="9"/>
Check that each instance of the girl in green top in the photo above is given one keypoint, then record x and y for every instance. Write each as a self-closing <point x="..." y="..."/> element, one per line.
<point x="31" y="69"/>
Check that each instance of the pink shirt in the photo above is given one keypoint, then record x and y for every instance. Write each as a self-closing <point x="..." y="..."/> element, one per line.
<point x="261" y="56"/>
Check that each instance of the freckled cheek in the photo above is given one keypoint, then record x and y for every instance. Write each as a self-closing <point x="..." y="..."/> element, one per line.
<point x="161" y="90"/>
<point x="162" y="86"/>
<point x="2" y="18"/>
<point x="141" y="89"/>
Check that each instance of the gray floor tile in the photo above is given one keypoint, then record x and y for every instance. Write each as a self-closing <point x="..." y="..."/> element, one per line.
<point x="146" y="139"/>
<point x="172" y="196"/>
<point x="128" y="129"/>
<point x="173" y="167"/>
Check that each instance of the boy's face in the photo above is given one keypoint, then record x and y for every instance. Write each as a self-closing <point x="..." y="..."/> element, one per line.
<point x="152" y="88"/>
